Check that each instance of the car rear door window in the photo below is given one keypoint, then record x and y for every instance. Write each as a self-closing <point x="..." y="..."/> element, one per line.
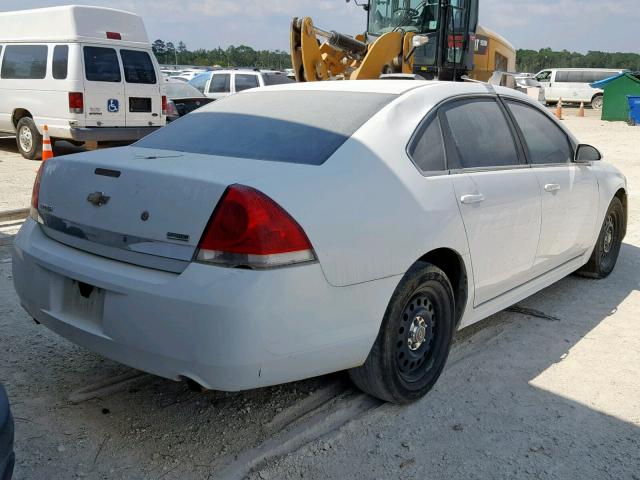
<point x="302" y="127"/>
<point x="546" y="143"/>
<point x="479" y="135"/>
<point x="101" y="65"/>
<point x="220" y="83"/>
<point x="24" y="62"/>
<point x="427" y="148"/>
<point x="245" y="82"/>
<point x="138" y="67"/>
<point x="60" y="62"/>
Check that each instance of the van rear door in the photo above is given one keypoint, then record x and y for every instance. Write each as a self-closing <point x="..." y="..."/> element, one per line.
<point x="143" y="100"/>
<point x="104" y="87"/>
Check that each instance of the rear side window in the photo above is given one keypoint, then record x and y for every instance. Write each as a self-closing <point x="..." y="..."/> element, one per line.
<point x="427" y="149"/>
<point x="25" y="62"/>
<point x="138" y="67"/>
<point x="303" y="127"/>
<point x="245" y="82"/>
<point x="220" y="83"/>
<point x="101" y="65"/>
<point x="480" y="135"/>
<point x="275" y="79"/>
<point x="545" y="141"/>
<point x="60" y="62"/>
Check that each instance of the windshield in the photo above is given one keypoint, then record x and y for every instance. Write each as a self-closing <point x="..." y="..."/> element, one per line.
<point x="419" y="16"/>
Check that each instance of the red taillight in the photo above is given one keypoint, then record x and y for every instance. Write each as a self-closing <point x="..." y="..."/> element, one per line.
<point x="114" y="36"/>
<point x="164" y="104"/>
<point x="76" y="102"/>
<point x="172" y="111"/>
<point x="35" y="194"/>
<point x="249" y="229"/>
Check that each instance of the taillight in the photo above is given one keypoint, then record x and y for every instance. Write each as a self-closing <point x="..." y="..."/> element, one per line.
<point x="35" y="194"/>
<point x="172" y="111"/>
<point x="76" y="102"/>
<point x="164" y="105"/>
<point x="249" y="229"/>
<point x="114" y="36"/>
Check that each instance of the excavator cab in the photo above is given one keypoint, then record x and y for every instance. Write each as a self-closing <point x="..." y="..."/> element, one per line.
<point x="450" y="26"/>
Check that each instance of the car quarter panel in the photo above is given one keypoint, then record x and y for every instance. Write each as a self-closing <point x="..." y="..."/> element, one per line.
<point x="368" y="212"/>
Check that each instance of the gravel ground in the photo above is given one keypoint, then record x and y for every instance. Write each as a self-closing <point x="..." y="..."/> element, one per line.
<point x="524" y="396"/>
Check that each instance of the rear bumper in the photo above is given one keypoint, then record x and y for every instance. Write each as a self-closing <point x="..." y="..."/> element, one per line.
<point x="7" y="457"/>
<point x="227" y="329"/>
<point x="110" y="134"/>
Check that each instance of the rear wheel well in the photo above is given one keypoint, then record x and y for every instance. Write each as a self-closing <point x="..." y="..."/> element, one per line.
<point x="18" y="114"/>
<point x="451" y="263"/>
<point x="621" y="194"/>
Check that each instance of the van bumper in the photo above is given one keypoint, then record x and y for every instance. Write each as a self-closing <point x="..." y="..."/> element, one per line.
<point x="110" y="134"/>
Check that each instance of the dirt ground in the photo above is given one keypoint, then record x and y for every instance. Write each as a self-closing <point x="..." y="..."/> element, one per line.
<point x="552" y="393"/>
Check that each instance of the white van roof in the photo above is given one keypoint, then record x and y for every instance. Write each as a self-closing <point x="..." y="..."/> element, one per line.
<point x="72" y="23"/>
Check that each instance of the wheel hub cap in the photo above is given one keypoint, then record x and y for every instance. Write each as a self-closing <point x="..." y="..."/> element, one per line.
<point x="26" y="139"/>
<point x="417" y="333"/>
<point x="608" y="235"/>
<point x="415" y="337"/>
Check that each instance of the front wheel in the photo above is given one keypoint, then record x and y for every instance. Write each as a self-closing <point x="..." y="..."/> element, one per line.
<point x="414" y="340"/>
<point x="605" y="254"/>
<point x="598" y="102"/>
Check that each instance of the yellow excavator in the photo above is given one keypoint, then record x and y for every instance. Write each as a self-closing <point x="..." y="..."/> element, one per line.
<point x="437" y="39"/>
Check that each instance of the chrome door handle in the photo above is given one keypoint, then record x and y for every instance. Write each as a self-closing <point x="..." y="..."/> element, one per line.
<point x="471" y="199"/>
<point x="552" y="187"/>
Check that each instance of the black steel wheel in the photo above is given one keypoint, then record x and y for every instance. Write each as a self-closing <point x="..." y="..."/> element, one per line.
<point x="414" y="340"/>
<point x="605" y="253"/>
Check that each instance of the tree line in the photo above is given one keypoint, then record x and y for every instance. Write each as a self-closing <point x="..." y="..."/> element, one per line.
<point x="534" y="61"/>
<point x="232" y="56"/>
<point x="245" y="56"/>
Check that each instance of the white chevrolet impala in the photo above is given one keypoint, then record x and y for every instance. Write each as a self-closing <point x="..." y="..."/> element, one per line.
<point x="298" y="230"/>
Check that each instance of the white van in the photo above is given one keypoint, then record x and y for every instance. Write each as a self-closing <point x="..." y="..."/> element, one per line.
<point x="87" y="72"/>
<point x="573" y="85"/>
<point x="222" y="83"/>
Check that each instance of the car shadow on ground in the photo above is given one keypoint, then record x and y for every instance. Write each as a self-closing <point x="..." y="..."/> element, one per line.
<point x="488" y="397"/>
<point x="8" y="145"/>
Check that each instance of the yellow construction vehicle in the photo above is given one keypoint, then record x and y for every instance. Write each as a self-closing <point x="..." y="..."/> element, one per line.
<point x="438" y="39"/>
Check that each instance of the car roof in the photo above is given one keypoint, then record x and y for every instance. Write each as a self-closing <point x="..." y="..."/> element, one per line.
<point x="394" y="87"/>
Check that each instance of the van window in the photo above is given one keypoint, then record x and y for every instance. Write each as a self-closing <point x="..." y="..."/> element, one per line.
<point x="275" y="79"/>
<point x="220" y="83"/>
<point x="245" y="82"/>
<point x="25" y="62"/>
<point x="60" y="62"/>
<point x="544" y="76"/>
<point x="480" y="135"/>
<point x="101" y="65"/>
<point x="562" y="77"/>
<point x="138" y="67"/>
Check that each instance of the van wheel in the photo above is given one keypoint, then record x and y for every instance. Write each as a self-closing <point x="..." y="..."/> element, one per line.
<point x="28" y="139"/>
<point x="414" y="340"/>
<point x="605" y="254"/>
<point x="598" y="102"/>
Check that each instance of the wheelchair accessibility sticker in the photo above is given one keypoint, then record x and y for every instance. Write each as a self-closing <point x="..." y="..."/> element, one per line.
<point x="113" y="105"/>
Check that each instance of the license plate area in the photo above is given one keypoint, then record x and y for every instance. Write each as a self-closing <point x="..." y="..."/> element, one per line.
<point x="139" y="105"/>
<point x="83" y="301"/>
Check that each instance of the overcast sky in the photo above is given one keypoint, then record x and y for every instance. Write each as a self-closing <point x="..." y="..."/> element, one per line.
<point x="577" y="25"/>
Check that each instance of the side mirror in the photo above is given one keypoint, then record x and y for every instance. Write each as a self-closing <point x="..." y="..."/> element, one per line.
<point x="586" y="153"/>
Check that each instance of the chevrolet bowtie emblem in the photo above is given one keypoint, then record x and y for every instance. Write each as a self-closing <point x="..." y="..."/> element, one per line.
<point x="97" y="199"/>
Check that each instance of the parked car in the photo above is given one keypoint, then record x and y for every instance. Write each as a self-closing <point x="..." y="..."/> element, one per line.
<point x="93" y="78"/>
<point x="222" y="83"/>
<point x="182" y="98"/>
<point x="7" y="457"/>
<point x="526" y="85"/>
<point x="292" y="231"/>
<point x="573" y="85"/>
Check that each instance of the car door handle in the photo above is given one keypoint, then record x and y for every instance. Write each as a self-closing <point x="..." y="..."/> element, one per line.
<point x="471" y="199"/>
<point x="552" y="187"/>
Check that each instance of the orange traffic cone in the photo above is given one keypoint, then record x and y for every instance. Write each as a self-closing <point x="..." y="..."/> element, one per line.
<point x="47" y="151"/>
<point x="581" y="111"/>
<point x="559" y="110"/>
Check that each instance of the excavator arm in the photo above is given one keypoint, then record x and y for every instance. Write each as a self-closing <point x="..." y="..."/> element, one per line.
<point x="342" y="56"/>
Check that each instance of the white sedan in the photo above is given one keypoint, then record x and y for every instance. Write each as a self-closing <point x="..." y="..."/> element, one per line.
<point x="302" y="229"/>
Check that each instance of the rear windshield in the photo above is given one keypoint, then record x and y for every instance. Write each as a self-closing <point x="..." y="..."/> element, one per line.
<point x="101" y="65"/>
<point x="138" y="67"/>
<point x="304" y="127"/>
<point x="275" y="79"/>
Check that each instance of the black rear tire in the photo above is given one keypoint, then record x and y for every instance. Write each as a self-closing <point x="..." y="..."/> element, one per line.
<point x="413" y="344"/>
<point x="605" y="254"/>
<point x="28" y="139"/>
